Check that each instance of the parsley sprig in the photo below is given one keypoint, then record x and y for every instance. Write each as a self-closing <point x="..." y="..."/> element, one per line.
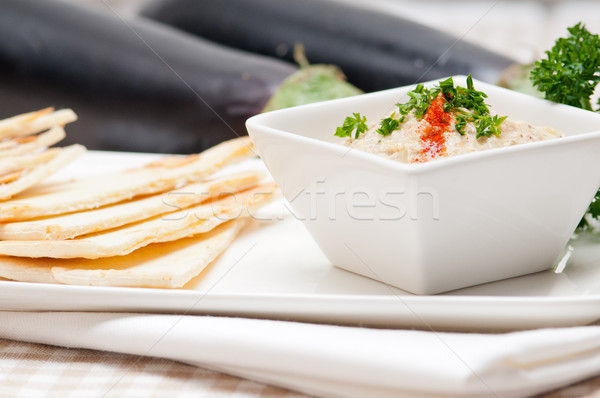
<point x="571" y="70"/>
<point x="420" y="99"/>
<point x="357" y="123"/>
<point x="569" y="75"/>
<point x="388" y="125"/>
<point x="467" y="104"/>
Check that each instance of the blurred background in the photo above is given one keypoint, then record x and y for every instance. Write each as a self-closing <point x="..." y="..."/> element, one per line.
<point x="179" y="76"/>
<point x="521" y="29"/>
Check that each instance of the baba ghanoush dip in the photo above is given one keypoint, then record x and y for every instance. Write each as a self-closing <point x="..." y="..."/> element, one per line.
<point x="439" y="122"/>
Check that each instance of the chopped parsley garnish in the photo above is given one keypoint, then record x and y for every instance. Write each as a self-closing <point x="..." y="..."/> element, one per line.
<point x="388" y="125"/>
<point x="420" y="99"/>
<point x="467" y="104"/>
<point x="357" y="123"/>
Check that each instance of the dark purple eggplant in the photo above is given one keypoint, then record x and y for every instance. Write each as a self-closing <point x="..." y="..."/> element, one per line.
<point x="375" y="50"/>
<point x="136" y="84"/>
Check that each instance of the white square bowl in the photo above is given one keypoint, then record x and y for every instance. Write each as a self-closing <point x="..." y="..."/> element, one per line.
<point x="443" y="225"/>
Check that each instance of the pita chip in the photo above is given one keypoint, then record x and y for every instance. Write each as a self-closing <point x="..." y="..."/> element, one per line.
<point x="70" y="225"/>
<point x="14" y="163"/>
<point x="167" y="173"/>
<point x="121" y="241"/>
<point x="23" y="145"/>
<point x="161" y="265"/>
<point x="34" y="122"/>
<point x="26" y="178"/>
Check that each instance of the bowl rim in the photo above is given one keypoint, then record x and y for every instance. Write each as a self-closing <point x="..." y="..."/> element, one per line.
<point x="260" y="121"/>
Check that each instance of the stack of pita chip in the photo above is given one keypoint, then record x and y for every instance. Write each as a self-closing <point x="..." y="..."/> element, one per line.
<point x="158" y="225"/>
<point x="25" y="156"/>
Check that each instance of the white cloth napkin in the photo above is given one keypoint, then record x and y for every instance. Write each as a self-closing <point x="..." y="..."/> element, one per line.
<point x="332" y="361"/>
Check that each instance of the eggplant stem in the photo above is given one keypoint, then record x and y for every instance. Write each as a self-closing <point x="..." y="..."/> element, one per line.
<point x="300" y="55"/>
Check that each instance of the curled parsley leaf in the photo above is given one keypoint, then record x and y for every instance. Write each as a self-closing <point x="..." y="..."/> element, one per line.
<point x="420" y="99"/>
<point x="469" y="106"/>
<point x="388" y="125"/>
<point x="571" y="70"/>
<point x="593" y="210"/>
<point x="569" y="75"/>
<point x="357" y="123"/>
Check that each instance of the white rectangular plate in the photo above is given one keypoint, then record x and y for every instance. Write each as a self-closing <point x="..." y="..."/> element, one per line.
<point x="275" y="270"/>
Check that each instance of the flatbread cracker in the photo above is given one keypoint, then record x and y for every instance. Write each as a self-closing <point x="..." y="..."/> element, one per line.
<point x="70" y="225"/>
<point x="11" y="176"/>
<point x="23" y="145"/>
<point x="59" y="198"/>
<point x="121" y="241"/>
<point x="35" y="122"/>
<point x="164" y="265"/>
<point x="14" y="163"/>
<point x="34" y="175"/>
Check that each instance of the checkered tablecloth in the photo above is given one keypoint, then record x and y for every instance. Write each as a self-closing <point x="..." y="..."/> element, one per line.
<point x="36" y="370"/>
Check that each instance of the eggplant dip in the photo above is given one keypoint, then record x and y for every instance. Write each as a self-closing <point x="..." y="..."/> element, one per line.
<point x="439" y="122"/>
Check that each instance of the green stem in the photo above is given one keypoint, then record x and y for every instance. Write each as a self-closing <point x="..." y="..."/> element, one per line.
<point x="300" y="55"/>
<point x="585" y="104"/>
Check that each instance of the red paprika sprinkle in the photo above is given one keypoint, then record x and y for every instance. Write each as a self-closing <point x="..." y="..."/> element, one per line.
<point x="435" y="123"/>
